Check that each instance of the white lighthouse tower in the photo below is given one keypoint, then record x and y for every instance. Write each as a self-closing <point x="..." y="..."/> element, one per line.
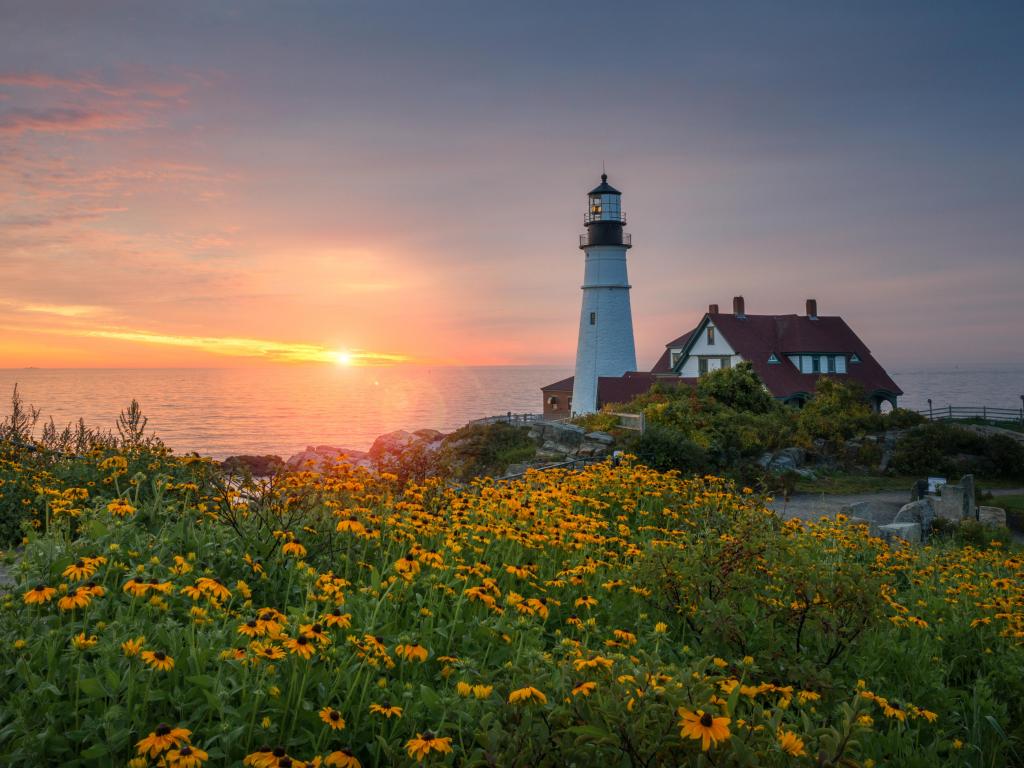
<point x="605" y="346"/>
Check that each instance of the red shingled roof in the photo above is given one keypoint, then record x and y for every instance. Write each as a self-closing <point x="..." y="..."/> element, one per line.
<point x="664" y="362"/>
<point x="757" y="337"/>
<point x="565" y="385"/>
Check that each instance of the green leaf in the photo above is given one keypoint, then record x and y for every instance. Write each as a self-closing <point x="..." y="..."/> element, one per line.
<point x="203" y="681"/>
<point x="91" y="686"/>
<point x="96" y="750"/>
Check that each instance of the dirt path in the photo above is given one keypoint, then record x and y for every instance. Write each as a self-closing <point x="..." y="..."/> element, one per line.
<point x="810" y="506"/>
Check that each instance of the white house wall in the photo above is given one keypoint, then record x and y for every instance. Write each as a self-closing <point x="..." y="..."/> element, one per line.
<point x="701" y="348"/>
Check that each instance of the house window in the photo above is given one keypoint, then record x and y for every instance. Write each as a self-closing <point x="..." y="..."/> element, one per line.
<point x="711" y="335"/>
<point x="841" y="364"/>
<point x="772" y="359"/>
<point x="854" y="358"/>
<point x="702" y="366"/>
<point x="593" y="318"/>
<point x="673" y="358"/>
<point x="815" y="364"/>
<point x="831" y="364"/>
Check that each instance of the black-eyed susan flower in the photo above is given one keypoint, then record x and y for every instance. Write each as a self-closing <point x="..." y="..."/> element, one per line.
<point x="82" y="643"/>
<point x="335" y="618"/>
<point x="300" y="646"/>
<point x="424" y="743"/>
<point x="791" y="744"/>
<point x="386" y="710"/>
<point x="164" y="737"/>
<point x="132" y="647"/>
<point x="39" y="594"/>
<point x="333" y="718"/>
<point x="80" y="598"/>
<point x="411" y="652"/>
<point x="703" y="726"/>
<point x="527" y="695"/>
<point x="186" y="756"/>
<point x="342" y="758"/>
<point x="584" y="689"/>
<point x="158" y="660"/>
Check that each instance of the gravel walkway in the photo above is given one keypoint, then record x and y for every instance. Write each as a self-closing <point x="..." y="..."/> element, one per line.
<point x="811" y="506"/>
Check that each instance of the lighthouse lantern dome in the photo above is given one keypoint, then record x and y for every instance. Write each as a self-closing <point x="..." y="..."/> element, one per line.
<point x="604" y="203"/>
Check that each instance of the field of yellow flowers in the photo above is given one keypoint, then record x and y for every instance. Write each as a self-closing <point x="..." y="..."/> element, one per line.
<point x="163" y="615"/>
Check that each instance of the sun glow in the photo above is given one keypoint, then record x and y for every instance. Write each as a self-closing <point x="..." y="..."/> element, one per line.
<point x="343" y="357"/>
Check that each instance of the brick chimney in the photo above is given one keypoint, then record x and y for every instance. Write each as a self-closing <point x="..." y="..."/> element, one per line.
<point x="713" y="309"/>
<point x="812" y="309"/>
<point x="737" y="307"/>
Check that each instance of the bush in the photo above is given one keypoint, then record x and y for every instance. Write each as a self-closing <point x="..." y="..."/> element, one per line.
<point x="837" y="412"/>
<point x="738" y="388"/>
<point x="484" y="449"/>
<point x="663" y="448"/>
<point x="949" y="449"/>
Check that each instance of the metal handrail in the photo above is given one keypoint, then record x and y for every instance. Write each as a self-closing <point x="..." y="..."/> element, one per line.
<point x="627" y="239"/>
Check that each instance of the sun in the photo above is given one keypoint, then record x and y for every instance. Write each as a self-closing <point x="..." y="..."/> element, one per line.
<point x="343" y="357"/>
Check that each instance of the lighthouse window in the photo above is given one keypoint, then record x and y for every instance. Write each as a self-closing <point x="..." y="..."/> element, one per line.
<point x="593" y="318"/>
<point x="595" y="205"/>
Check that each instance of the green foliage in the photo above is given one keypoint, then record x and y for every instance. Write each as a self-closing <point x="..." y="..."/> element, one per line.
<point x="738" y="388"/>
<point x="665" y="447"/>
<point x="484" y="449"/>
<point x="950" y="449"/>
<point x="597" y="422"/>
<point x="837" y="411"/>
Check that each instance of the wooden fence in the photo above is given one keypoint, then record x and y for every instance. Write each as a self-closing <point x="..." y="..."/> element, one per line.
<point x="981" y="412"/>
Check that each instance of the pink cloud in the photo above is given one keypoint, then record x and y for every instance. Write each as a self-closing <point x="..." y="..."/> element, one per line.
<point x="64" y="120"/>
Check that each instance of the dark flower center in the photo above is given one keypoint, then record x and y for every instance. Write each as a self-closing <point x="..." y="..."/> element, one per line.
<point x="428" y="735"/>
<point x="279" y="752"/>
<point x="285" y="762"/>
<point x="186" y="750"/>
<point x="302" y="641"/>
<point x="335" y="716"/>
<point x="251" y="623"/>
<point x="40" y="588"/>
<point x="80" y="564"/>
<point x="160" y="655"/>
<point x="706" y="720"/>
<point x="154" y="581"/>
<point x="317" y="629"/>
<point x="162" y="729"/>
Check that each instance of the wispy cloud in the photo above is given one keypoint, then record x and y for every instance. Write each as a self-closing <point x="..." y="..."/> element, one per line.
<point x="263" y="349"/>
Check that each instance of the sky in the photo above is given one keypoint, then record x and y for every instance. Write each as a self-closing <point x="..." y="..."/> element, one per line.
<point x="236" y="183"/>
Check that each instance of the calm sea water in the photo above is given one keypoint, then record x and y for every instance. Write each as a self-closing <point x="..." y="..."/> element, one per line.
<point x="280" y="410"/>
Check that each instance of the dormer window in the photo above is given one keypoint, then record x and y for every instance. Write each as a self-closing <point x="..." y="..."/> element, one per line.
<point x="772" y="359"/>
<point x="711" y="335"/>
<point x="854" y="358"/>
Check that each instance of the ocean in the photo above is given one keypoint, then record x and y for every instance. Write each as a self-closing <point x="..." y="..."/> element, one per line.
<point x="282" y="409"/>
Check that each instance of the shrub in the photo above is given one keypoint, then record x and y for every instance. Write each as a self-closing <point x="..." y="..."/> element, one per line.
<point x="738" y="388"/>
<point x="484" y="449"/>
<point x="837" y="411"/>
<point x="663" y="448"/>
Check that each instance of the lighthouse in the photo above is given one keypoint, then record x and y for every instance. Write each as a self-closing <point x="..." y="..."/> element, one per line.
<point x="605" y="345"/>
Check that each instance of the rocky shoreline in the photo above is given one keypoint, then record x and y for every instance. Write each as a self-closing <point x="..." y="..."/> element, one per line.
<point x="554" y="442"/>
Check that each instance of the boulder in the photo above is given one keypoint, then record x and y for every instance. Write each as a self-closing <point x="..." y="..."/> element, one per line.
<point x="878" y="512"/>
<point x="599" y="437"/>
<point x="907" y="531"/>
<point x="429" y="435"/>
<point x="994" y="516"/>
<point x="588" y="448"/>
<point x="796" y="455"/>
<point x="782" y="462"/>
<point x="393" y="443"/>
<point x="765" y="460"/>
<point x="872" y="526"/>
<point x="257" y="466"/>
<point x="953" y="504"/>
<point x="323" y="457"/>
<point x="921" y="512"/>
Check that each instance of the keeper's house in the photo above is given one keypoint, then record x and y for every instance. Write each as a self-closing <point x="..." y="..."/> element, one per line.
<point x="788" y="352"/>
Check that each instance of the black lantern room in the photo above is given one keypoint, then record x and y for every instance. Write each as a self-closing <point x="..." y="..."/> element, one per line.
<point x="604" y="219"/>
